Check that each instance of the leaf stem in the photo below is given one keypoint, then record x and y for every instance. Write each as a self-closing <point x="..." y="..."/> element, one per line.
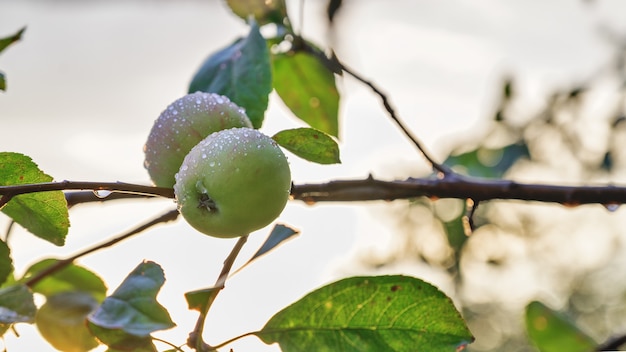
<point x="229" y="341"/>
<point x="176" y="348"/>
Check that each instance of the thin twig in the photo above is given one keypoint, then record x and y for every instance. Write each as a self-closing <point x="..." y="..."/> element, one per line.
<point x="334" y="62"/>
<point x="33" y="280"/>
<point x="195" y="337"/>
<point x="176" y="348"/>
<point x="7" y="233"/>
<point x="443" y="169"/>
<point x="468" y="218"/>
<point x="229" y="341"/>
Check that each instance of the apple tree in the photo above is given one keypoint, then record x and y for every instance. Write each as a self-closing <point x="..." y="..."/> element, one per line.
<point x="207" y="151"/>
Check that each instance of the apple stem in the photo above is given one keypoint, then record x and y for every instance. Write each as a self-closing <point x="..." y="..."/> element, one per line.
<point x="195" y="337"/>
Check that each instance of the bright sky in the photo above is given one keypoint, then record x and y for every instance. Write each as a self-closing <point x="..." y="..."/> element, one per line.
<point x="89" y="78"/>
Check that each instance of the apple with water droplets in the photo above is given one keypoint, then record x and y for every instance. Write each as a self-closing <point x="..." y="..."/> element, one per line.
<point x="232" y="183"/>
<point x="183" y="124"/>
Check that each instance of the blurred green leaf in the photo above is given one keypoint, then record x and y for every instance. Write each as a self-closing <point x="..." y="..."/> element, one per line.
<point x="16" y="305"/>
<point x="119" y="340"/>
<point x="381" y="313"/>
<point x="309" y="144"/>
<point x="308" y="89"/>
<point x="44" y="214"/>
<point x="6" y="41"/>
<point x="132" y="313"/>
<point x="455" y="233"/>
<point x="6" y="263"/>
<point x="61" y="321"/>
<point x="242" y="72"/>
<point x="551" y="331"/>
<point x="70" y="278"/>
<point x="488" y="163"/>
<point x="263" y="11"/>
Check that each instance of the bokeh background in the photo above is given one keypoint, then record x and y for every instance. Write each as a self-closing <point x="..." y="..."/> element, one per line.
<point x="89" y="78"/>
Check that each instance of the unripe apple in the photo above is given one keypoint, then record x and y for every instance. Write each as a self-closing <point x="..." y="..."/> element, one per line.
<point x="232" y="183"/>
<point x="61" y="321"/>
<point x="183" y="124"/>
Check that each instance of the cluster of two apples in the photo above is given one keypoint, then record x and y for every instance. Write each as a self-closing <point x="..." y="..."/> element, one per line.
<point x="229" y="179"/>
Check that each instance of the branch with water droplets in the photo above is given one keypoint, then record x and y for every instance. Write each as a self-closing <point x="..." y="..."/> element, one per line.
<point x="459" y="187"/>
<point x="99" y="190"/>
<point x="368" y="189"/>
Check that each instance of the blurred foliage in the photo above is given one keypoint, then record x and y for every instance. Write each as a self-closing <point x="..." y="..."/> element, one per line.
<point x="502" y="255"/>
<point x="551" y="331"/>
<point x="4" y="43"/>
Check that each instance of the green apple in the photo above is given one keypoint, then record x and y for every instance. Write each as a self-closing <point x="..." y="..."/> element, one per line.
<point x="183" y="124"/>
<point x="232" y="183"/>
<point x="61" y="321"/>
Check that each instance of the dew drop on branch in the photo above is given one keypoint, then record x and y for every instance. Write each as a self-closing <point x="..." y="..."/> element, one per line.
<point x="101" y="193"/>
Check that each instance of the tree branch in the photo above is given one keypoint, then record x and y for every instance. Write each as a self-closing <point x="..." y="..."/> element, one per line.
<point x="120" y="189"/>
<point x="457" y="187"/>
<point x="368" y="189"/>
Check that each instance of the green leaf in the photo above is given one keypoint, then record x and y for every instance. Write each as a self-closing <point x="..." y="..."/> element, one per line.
<point x="16" y="305"/>
<point x="6" y="41"/>
<point x="455" y="232"/>
<point x="486" y="162"/>
<point x="6" y="263"/>
<point x="309" y="144"/>
<point x="263" y="11"/>
<point x="308" y="89"/>
<point x="242" y="72"/>
<point x="280" y="233"/>
<point x="382" y="313"/>
<point x="61" y="321"/>
<point x="118" y="340"/>
<point x="44" y="214"/>
<point x="70" y="278"/>
<point x="552" y="331"/>
<point x="132" y="312"/>
<point x="199" y="300"/>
